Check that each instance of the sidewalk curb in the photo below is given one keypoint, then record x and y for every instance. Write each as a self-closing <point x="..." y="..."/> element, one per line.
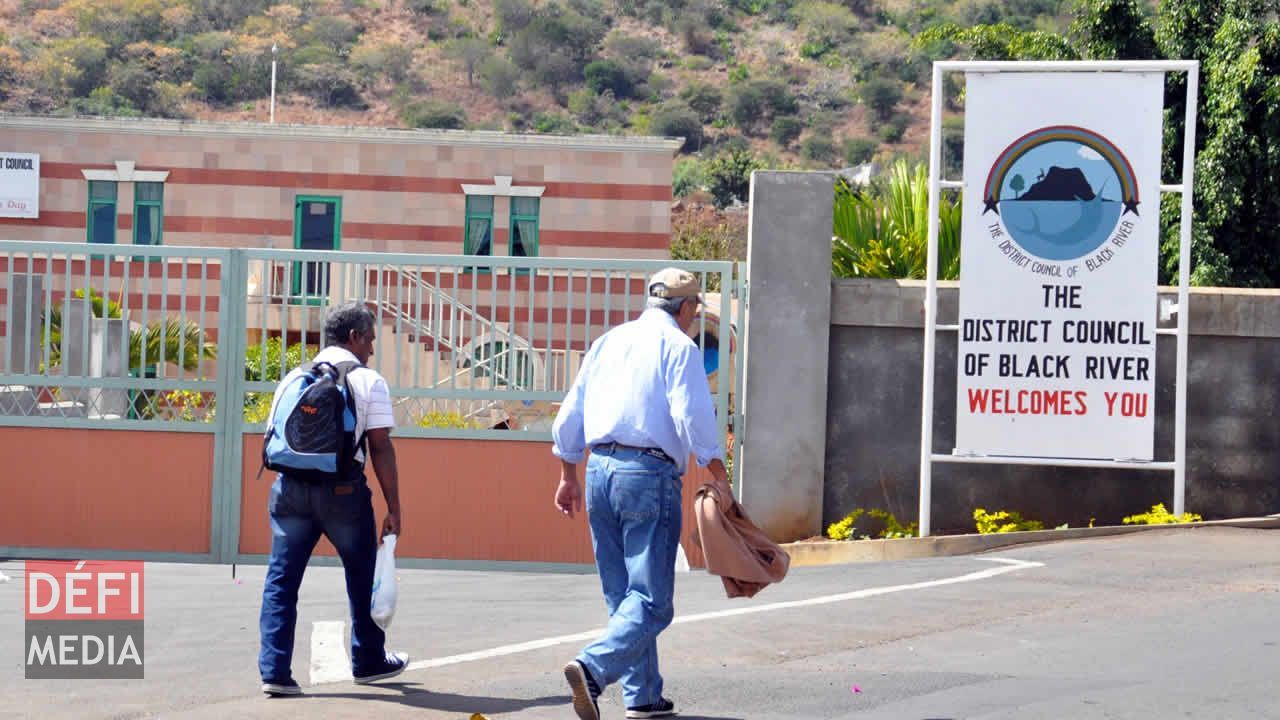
<point x="844" y="552"/>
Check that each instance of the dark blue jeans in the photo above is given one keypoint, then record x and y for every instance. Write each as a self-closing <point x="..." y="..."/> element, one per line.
<point x="633" y="508"/>
<point x="300" y="513"/>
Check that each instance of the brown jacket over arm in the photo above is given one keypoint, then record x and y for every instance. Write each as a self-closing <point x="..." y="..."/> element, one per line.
<point x="736" y="550"/>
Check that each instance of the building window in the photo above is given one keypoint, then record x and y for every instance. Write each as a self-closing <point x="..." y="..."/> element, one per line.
<point x="524" y="227"/>
<point x="101" y="225"/>
<point x="479" y="231"/>
<point x="477" y="238"/>
<point x="148" y="213"/>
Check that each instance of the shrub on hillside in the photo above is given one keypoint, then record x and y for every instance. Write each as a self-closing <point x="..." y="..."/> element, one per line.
<point x="728" y="175"/>
<point x="687" y="177"/>
<point x="678" y="120"/>
<point x="881" y="96"/>
<point x="607" y="75"/>
<point x="891" y="130"/>
<point x="554" y="124"/>
<point x="859" y="150"/>
<point x="386" y="59"/>
<point x="819" y="149"/>
<point x="434" y="114"/>
<point x="704" y="99"/>
<point x="330" y="85"/>
<point x="786" y="130"/>
<point x="500" y="77"/>
<point x="426" y="7"/>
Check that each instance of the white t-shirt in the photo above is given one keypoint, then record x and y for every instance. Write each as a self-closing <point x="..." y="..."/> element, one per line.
<point x="372" y="396"/>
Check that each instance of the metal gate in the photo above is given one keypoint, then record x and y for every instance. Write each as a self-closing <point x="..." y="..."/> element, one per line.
<point x="182" y="347"/>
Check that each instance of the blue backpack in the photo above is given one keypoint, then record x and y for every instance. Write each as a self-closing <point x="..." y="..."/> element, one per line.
<point x="311" y="435"/>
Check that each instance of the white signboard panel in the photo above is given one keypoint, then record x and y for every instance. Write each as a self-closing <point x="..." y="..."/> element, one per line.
<point x="1058" y="264"/>
<point x="19" y="185"/>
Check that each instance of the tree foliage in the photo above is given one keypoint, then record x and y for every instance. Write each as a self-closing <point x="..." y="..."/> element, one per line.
<point x="728" y="175"/>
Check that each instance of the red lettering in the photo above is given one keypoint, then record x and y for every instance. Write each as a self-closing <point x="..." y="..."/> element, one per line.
<point x="978" y="400"/>
<point x="1002" y="401"/>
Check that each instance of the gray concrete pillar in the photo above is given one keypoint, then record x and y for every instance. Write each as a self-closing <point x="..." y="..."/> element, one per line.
<point x="77" y="338"/>
<point x="788" y="325"/>
<point x="108" y="357"/>
<point x="27" y="307"/>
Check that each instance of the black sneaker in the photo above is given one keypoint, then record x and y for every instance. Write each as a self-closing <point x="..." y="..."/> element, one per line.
<point x="391" y="667"/>
<point x="662" y="708"/>
<point x="585" y="690"/>
<point x="281" y="688"/>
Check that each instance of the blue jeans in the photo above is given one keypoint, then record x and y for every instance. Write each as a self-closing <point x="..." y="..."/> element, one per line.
<point x="300" y="513"/>
<point x="633" y="507"/>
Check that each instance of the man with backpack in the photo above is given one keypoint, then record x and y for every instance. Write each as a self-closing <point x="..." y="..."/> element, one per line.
<point x="325" y="417"/>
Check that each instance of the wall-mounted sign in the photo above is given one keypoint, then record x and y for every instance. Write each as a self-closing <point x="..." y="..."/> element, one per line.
<point x="19" y="185"/>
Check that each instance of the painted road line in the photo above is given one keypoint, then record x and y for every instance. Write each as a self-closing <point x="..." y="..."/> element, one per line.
<point x="328" y="653"/>
<point x="1006" y="565"/>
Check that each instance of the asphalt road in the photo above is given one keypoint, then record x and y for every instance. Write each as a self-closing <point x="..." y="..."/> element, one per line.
<point x="1163" y="624"/>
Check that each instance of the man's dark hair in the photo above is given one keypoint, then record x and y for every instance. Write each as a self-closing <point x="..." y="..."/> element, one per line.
<point x="345" y="318"/>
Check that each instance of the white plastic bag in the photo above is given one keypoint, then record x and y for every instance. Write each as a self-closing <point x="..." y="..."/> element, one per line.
<point x="384" y="583"/>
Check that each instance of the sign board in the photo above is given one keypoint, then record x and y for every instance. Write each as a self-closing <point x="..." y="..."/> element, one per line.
<point x="1060" y="237"/>
<point x="19" y="185"/>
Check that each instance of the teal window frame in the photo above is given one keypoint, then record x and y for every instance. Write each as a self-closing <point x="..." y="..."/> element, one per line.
<point x="530" y="244"/>
<point x="299" y="202"/>
<point x="96" y="202"/>
<point x="141" y="205"/>
<point x="473" y="213"/>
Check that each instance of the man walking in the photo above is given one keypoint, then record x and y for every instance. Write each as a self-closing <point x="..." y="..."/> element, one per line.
<point x="641" y="403"/>
<point x="301" y="510"/>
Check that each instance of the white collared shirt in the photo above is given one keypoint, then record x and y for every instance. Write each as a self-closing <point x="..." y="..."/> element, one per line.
<point x="641" y="384"/>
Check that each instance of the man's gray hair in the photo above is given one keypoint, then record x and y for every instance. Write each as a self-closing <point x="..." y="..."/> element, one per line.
<point x="344" y="318"/>
<point x="671" y="306"/>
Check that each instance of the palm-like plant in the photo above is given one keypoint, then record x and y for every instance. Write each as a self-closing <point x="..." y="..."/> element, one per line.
<point x="168" y="339"/>
<point x="882" y="231"/>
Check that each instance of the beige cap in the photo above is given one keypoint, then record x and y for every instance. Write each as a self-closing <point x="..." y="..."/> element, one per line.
<point x="673" y="283"/>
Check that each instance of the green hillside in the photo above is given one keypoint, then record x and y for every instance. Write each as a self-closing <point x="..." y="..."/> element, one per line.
<point x="811" y="83"/>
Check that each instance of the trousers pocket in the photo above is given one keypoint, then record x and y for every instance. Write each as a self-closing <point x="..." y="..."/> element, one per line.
<point x="636" y="495"/>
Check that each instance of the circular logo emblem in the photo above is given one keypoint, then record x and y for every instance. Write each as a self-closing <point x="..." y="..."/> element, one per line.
<point x="1060" y="191"/>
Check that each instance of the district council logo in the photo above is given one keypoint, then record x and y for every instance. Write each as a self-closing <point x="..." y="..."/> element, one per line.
<point x="1061" y="191"/>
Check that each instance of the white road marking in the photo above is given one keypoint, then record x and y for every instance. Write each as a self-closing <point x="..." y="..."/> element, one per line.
<point x="1007" y="565"/>
<point x="329" y="662"/>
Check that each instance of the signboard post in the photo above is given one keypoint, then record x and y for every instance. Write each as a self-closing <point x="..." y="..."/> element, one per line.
<point x="19" y="185"/>
<point x="1059" y="250"/>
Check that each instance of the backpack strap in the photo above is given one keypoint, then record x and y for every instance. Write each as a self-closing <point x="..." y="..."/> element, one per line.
<point x="343" y="369"/>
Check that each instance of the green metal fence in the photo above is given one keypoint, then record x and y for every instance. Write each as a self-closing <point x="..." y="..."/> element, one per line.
<point x="192" y="339"/>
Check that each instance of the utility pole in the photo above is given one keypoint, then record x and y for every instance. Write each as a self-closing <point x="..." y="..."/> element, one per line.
<point x="273" y="83"/>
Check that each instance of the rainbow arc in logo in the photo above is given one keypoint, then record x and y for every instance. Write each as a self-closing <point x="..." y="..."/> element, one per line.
<point x="1060" y="133"/>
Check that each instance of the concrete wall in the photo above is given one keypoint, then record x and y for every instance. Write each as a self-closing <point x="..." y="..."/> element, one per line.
<point x="873" y="431"/>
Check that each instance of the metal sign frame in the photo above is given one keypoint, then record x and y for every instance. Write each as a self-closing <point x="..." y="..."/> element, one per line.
<point x="937" y="183"/>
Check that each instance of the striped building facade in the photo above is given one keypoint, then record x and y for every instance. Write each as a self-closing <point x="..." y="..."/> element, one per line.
<point x="418" y="191"/>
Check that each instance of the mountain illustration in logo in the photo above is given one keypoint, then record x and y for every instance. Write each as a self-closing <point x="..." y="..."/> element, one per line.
<point x="1060" y="184"/>
<point x="1060" y="191"/>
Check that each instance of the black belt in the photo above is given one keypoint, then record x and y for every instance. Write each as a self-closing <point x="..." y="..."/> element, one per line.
<point x="609" y="447"/>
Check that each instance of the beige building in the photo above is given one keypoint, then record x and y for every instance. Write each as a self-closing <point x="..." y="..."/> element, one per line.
<point x="419" y="191"/>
